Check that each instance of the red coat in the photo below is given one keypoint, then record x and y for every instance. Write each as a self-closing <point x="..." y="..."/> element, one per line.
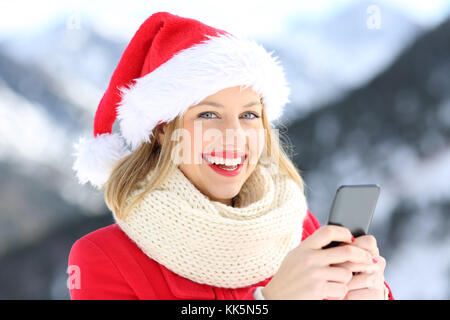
<point x="106" y="264"/>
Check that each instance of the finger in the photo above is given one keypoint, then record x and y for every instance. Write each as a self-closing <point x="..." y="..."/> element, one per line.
<point x="377" y="267"/>
<point x="367" y="242"/>
<point x="337" y="274"/>
<point x="335" y="290"/>
<point x="358" y="267"/>
<point x="365" y="294"/>
<point x="345" y="253"/>
<point x="326" y="234"/>
<point x="362" y="281"/>
<point x="381" y="262"/>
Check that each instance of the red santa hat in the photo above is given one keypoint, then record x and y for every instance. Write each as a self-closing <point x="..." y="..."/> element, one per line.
<point x="170" y="64"/>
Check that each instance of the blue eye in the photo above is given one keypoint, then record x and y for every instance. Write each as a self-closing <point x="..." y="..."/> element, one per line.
<point x="255" y="116"/>
<point x="201" y="115"/>
<point x="204" y="115"/>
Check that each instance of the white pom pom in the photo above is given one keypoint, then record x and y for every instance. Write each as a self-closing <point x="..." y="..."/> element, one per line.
<point x="96" y="157"/>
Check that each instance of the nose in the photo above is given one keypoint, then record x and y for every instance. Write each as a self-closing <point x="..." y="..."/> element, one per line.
<point x="234" y="135"/>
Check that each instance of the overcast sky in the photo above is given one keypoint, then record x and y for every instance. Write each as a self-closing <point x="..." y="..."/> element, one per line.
<point x="254" y="18"/>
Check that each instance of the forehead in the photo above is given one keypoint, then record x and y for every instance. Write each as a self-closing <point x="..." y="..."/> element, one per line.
<point x="237" y="94"/>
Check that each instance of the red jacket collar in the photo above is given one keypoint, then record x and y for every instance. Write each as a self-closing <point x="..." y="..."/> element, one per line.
<point x="184" y="288"/>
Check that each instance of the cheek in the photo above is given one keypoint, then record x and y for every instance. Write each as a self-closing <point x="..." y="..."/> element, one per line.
<point x="193" y="146"/>
<point x="256" y="141"/>
<point x="187" y="143"/>
<point x="210" y="139"/>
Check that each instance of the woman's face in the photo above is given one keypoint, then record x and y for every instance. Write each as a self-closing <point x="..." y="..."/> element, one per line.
<point x="224" y="140"/>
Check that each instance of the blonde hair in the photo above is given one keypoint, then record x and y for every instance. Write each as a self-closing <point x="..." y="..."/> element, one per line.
<point x="133" y="168"/>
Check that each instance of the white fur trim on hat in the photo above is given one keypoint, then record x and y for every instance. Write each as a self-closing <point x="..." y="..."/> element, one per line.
<point x="193" y="74"/>
<point x="96" y="157"/>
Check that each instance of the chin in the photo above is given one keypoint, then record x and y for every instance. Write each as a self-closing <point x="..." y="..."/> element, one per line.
<point x="225" y="193"/>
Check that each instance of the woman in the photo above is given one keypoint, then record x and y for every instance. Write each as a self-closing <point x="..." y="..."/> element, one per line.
<point x="207" y="204"/>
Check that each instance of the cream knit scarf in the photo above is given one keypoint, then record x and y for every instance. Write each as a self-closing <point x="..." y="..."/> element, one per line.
<point x="212" y="243"/>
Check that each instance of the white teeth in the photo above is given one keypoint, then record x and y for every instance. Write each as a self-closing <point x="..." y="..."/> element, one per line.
<point x="227" y="162"/>
<point x="232" y="162"/>
<point x="230" y="169"/>
<point x="217" y="160"/>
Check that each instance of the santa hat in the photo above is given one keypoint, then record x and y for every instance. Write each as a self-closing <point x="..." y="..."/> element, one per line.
<point x="170" y="64"/>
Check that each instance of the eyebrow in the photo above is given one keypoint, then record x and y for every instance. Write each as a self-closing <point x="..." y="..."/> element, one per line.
<point x="215" y="104"/>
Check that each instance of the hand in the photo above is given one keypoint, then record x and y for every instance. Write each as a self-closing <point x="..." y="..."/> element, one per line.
<point x="307" y="271"/>
<point x="367" y="282"/>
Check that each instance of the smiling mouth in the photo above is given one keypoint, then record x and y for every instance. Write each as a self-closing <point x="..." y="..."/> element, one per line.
<point x="225" y="166"/>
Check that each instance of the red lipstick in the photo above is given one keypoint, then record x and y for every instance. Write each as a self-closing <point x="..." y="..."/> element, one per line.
<point x="226" y="155"/>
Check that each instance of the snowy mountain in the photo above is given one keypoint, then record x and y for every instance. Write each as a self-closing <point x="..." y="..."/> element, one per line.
<point x="325" y="60"/>
<point x="395" y="132"/>
<point x="49" y="91"/>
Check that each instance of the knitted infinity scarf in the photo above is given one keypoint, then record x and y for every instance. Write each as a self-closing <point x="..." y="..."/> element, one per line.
<point x="209" y="242"/>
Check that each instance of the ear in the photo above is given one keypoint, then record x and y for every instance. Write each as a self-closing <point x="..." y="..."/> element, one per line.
<point x="161" y="132"/>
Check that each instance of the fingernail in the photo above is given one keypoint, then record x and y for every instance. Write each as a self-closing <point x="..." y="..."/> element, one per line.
<point x="374" y="260"/>
<point x="353" y="238"/>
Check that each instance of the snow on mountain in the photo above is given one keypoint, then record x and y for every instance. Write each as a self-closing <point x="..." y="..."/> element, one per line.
<point x="50" y="86"/>
<point x="26" y="130"/>
<point x="31" y="139"/>
<point x="327" y="59"/>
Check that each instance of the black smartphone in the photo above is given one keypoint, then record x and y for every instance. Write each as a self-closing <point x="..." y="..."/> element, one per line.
<point x="353" y="207"/>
